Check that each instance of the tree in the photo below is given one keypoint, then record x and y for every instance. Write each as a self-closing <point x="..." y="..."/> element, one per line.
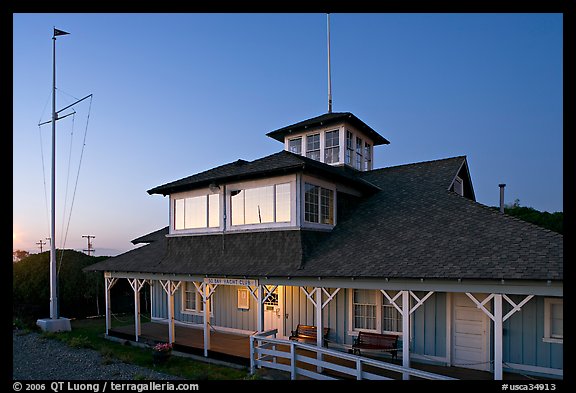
<point x="552" y="221"/>
<point x="18" y="255"/>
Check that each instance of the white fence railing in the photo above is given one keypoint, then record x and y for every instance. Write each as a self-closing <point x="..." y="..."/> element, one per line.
<point x="268" y="351"/>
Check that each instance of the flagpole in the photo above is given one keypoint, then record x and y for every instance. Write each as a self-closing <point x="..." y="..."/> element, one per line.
<point x="55" y="323"/>
<point x="53" y="277"/>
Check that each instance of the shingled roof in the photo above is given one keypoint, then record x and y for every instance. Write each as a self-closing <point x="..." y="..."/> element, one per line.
<point x="413" y="228"/>
<point x="280" y="163"/>
<point x="326" y="120"/>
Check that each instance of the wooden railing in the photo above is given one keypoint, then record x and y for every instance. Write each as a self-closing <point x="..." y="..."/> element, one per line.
<point x="268" y="351"/>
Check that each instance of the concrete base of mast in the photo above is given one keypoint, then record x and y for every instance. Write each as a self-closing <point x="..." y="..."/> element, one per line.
<point x="54" y="325"/>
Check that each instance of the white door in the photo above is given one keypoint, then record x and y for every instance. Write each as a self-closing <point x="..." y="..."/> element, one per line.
<point x="470" y="333"/>
<point x="273" y="312"/>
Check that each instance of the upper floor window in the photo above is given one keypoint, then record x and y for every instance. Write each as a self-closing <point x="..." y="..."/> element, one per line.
<point x="318" y="204"/>
<point x="295" y="146"/>
<point x="261" y="205"/>
<point x="313" y="146"/>
<point x="367" y="156"/>
<point x="359" y="157"/>
<point x="201" y="211"/>
<point x="349" y="148"/>
<point x="458" y="187"/>
<point x="332" y="147"/>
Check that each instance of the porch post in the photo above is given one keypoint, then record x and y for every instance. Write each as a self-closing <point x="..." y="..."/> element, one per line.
<point x="108" y="284"/>
<point x="170" y="313"/>
<point x="260" y="309"/>
<point x="498" y="337"/>
<point x="319" y="327"/>
<point x="206" y="299"/>
<point x="137" y="329"/>
<point x="405" y="332"/>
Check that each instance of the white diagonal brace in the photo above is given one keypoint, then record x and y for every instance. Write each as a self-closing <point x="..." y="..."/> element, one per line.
<point x="268" y="292"/>
<point x="110" y="282"/>
<point x="419" y="302"/>
<point x="310" y="296"/>
<point x="253" y="292"/>
<point x="170" y="287"/>
<point x="515" y="307"/>
<point x="329" y="296"/>
<point x="480" y="305"/>
<point x="392" y="300"/>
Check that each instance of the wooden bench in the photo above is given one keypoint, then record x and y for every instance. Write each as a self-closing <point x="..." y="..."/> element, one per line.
<point x="376" y="341"/>
<point x="307" y="333"/>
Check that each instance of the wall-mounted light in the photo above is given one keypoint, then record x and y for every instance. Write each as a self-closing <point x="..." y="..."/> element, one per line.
<point x="214" y="188"/>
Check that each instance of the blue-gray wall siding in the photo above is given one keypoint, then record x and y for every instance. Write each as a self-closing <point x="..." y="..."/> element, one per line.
<point x="429" y="326"/>
<point x="522" y="341"/>
<point x="523" y="333"/>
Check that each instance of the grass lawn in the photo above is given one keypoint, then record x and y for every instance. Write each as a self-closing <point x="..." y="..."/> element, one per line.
<point x="88" y="333"/>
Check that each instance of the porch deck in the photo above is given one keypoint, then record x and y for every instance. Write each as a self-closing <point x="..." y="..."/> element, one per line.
<point x="235" y="348"/>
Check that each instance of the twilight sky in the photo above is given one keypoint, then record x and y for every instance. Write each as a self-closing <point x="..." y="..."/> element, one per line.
<point x="177" y="94"/>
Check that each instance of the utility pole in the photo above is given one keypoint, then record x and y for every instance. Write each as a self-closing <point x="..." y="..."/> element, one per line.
<point x="41" y="243"/>
<point x="90" y="249"/>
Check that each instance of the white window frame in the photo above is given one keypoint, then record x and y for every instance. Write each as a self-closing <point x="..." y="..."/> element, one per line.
<point x="191" y="194"/>
<point x="548" y="302"/>
<point x="197" y="310"/>
<point x="256" y="184"/>
<point x="337" y="147"/>
<point x="302" y="140"/>
<point x="379" y="306"/>
<point x="323" y="184"/>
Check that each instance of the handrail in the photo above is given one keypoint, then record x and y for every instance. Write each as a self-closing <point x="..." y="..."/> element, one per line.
<point x="359" y="361"/>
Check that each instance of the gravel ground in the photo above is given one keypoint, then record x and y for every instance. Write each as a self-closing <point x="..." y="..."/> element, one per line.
<point x="44" y="359"/>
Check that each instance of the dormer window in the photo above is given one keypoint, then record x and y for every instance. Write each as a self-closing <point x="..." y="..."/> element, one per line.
<point x="332" y="147"/>
<point x="318" y="204"/>
<point x="202" y="211"/>
<point x="313" y="146"/>
<point x="458" y="186"/>
<point x="261" y="205"/>
<point x="295" y="146"/>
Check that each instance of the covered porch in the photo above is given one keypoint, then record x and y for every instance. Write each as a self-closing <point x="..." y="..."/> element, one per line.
<point x="213" y="341"/>
<point x="235" y="348"/>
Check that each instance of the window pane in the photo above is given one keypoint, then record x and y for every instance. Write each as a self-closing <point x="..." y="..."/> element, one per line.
<point x="295" y="146"/>
<point x="359" y="147"/>
<point x="313" y="147"/>
<point x="364" y="302"/>
<point x="556" y="321"/>
<point x="259" y="205"/>
<point x="195" y="212"/>
<point x="391" y="318"/>
<point x="368" y="157"/>
<point x="190" y="296"/>
<point x="327" y="207"/>
<point x="214" y="210"/>
<point x="311" y="202"/>
<point x="237" y="207"/>
<point x="349" y="148"/>
<point x="332" y="147"/>
<point x="283" y="202"/>
<point x="179" y="214"/>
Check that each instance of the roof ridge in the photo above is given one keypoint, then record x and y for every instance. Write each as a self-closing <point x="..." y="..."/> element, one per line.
<point x="417" y="163"/>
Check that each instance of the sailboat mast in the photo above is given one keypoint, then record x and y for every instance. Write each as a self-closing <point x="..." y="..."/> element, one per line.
<point x="53" y="277"/>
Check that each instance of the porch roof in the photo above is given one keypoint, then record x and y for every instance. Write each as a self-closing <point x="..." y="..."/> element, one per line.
<point x="413" y="228"/>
